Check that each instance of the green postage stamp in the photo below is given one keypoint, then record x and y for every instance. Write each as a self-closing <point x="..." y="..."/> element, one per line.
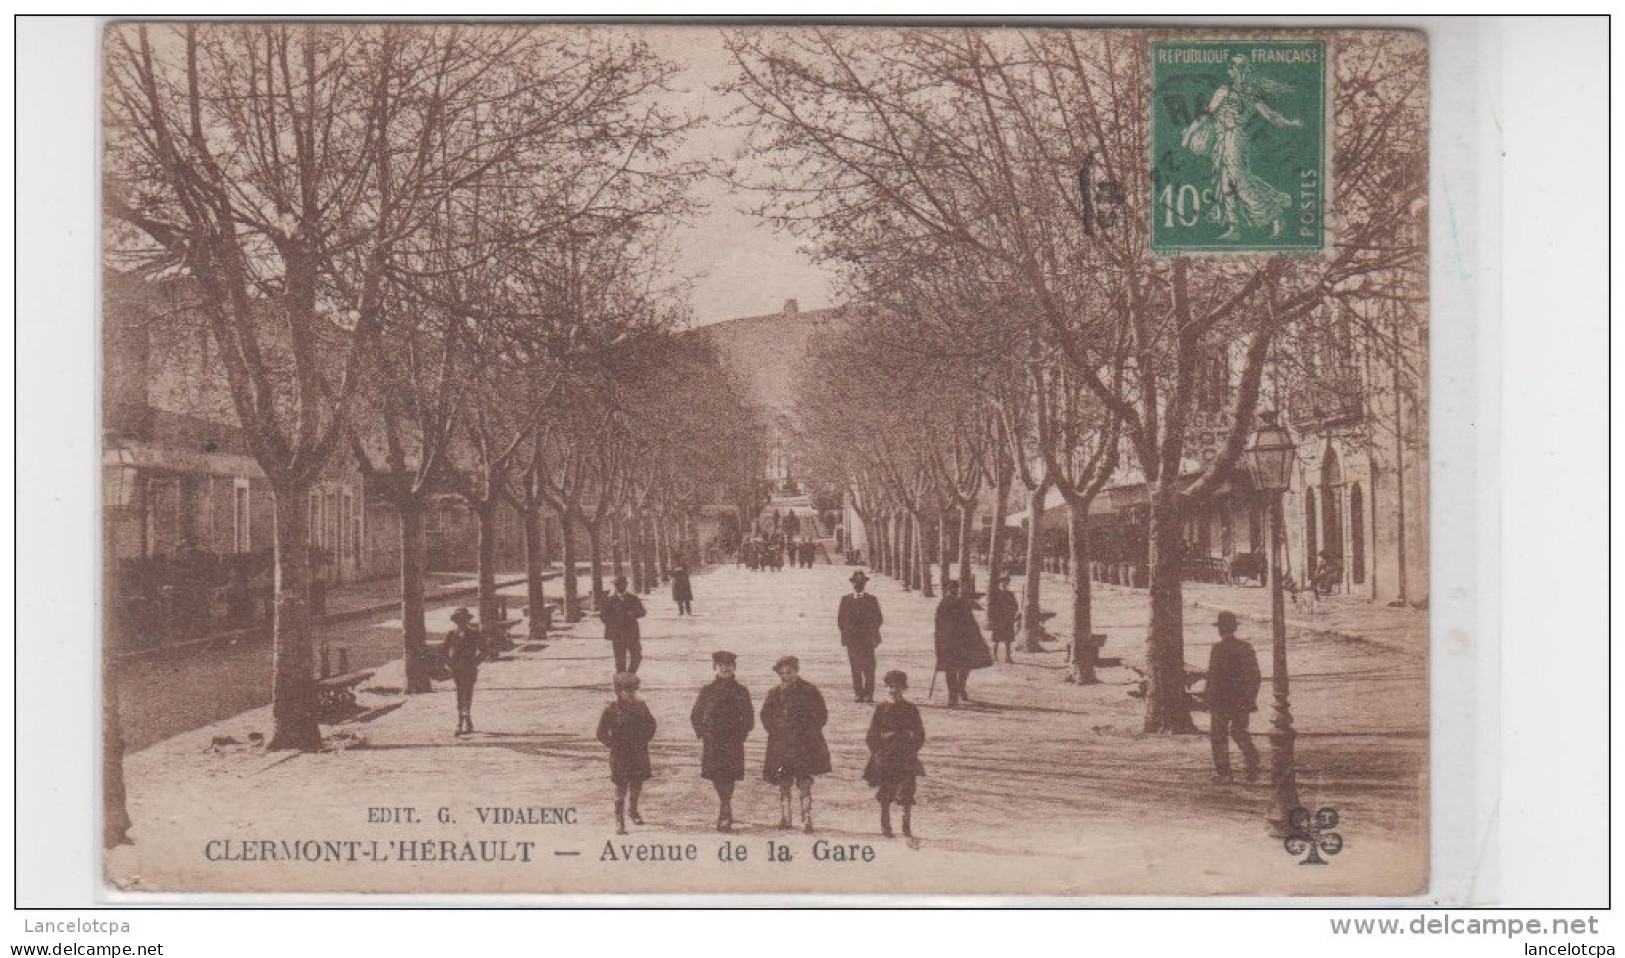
<point x="1238" y="146"/>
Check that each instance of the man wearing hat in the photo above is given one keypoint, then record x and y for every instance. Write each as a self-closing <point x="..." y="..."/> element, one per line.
<point x="895" y="736"/>
<point x="859" y="620"/>
<point x="464" y="648"/>
<point x="723" y="716"/>
<point x="1232" y="694"/>
<point x="620" y="616"/>
<point x="794" y="716"/>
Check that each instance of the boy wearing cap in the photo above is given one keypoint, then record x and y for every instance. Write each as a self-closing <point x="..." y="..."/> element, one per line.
<point x="626" y="727"/>
<point x="620" y="616"/>
<point x="464" y="648"/>
<point x="794" y="716"/>
<point x="859" y="620"/>
<point x="1232" y="694"/>
<point x="723" y="716"/>
<point x="895" y="737"/>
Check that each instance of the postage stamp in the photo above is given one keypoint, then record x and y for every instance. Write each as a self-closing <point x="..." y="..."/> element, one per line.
<point x="1238" y="146"/>
<point x="567" y="459"/>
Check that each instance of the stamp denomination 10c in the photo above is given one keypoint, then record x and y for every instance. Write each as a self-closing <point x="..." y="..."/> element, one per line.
<point x="1238" y="140"/>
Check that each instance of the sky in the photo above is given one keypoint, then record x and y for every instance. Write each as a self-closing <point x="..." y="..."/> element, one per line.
<point x="743" y="267"/>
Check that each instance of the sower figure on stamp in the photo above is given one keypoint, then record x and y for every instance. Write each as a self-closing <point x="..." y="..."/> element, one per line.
<point x="620" y="616"/>
<point x="1002" y="612"/>
<point x="794" y="716"/>
<point x="1232" y="695"/>
<point x="464" y="648"/>
<point x="723" y="717"/>
<point x="895" y="736"/>
<point x="682" y="591"/>
<point x="626" y="727"/>
<point x="859" y="620"/>
<point x="960" y="648"/>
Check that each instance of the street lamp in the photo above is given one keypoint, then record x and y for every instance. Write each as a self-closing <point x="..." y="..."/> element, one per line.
<point x="1269" y="459"/>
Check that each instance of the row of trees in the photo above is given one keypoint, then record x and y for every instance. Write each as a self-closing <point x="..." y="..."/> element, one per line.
<point x="442" y="250"/>
<point x="985" y="196"/>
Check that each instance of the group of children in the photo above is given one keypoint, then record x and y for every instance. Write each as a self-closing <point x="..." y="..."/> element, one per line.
<point x="793" y="715"/>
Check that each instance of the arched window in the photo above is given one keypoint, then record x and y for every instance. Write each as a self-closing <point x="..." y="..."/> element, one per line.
<point x="1357" y="533"/>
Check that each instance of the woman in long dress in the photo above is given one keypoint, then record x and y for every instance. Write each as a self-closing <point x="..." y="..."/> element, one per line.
<point x="1219" y="133"/>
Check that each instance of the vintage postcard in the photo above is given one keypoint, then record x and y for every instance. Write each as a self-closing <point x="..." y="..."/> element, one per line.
<point x="764" y="459"/>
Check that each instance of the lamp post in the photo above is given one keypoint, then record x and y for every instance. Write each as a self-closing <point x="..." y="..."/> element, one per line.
<point x="1269" y="459"/>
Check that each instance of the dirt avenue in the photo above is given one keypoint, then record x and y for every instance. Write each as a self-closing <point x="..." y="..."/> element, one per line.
<point x="1035" y="771"/>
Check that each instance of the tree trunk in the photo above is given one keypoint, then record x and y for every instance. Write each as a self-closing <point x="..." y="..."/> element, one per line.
<point x="595" y="558"/>
<point x="945" y="550"/>
<point x="877" y="545"/>
<point x="905" y="540"/>
<point x="617" y="534"/>
<point x="967" y="520"/>
<point x="646" y="548"/>
<point x="115" y="810"/>
<point x="535" y="570"/>
<point x="487" y="513"/>
<point x="1084" y="652"/>
<point x="997" y="536"/>
<point x="414" y="558"/>
<point x="567" y="556"/>
<point x="293" y="683"/>
<point x="1032" y="586"/>
<point x="1167" y="708"/>
<point x="662" y="549"/>
<point x="632" y="529"/>
<point x="922" y="569"/>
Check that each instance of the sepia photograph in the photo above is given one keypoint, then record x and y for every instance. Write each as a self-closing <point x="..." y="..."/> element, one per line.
<point x="764" y="459"/>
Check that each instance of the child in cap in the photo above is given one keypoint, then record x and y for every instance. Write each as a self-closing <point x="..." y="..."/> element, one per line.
<point x="626" y="728"/>
<point x="895" y="737"/>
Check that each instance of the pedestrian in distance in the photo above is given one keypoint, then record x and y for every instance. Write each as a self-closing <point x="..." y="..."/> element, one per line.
<point x="682" y="591"/>
<point x="794" y="716"/>
<point x="464" y="649"/>
<point x="1003" y="611"/>
<point x="859" y="620"/>
<point x="959" y="645"/>
<point x="625" y="728"/>
<point x="1233" y="680"/>
<point x="723" y="717"/>
<point x="620" y="614"/>
<point x="895" y="737"/>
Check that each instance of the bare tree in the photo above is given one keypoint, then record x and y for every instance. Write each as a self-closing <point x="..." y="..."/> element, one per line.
<point x="966" y="145"/>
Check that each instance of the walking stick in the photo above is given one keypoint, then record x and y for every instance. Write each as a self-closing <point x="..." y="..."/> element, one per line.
<point x="929" y="692"/>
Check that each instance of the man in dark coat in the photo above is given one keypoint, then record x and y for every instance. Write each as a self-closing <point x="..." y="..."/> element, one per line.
<point x="620" y="616"/>
<point x="895" y="736"/>
<point x="1002" y="613"/>
<point x="625" y="727"/>
<point x="794" y="716"/>
<point x="723" y="716"/>
<point x="464" y="648"/>
<point x="682" y="591"/>
<point x="859" y="619"/>
<point x="1232" y="695"/>
<point x="959" y="643"/>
